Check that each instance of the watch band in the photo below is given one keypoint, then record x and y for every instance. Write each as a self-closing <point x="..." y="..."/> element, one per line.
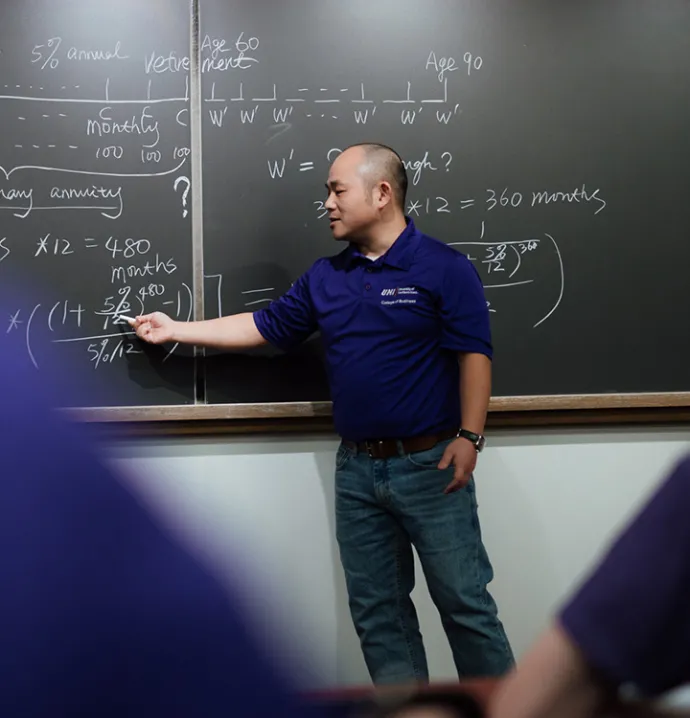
<point x="477" y="439"/>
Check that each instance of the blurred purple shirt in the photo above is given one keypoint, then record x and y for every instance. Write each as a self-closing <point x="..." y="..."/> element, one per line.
<point x="631" y="618"/>
<point x="101" y="614"/>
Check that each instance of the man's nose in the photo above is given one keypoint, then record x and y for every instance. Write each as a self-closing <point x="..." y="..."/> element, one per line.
<point x="329" y="204"/>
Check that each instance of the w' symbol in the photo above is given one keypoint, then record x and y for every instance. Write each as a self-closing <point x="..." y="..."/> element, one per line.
<point x="407" y="117"/>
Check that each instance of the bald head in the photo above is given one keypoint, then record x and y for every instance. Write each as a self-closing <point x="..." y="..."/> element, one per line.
<point x="380" y="163"/>
<point x="366" y="194"/>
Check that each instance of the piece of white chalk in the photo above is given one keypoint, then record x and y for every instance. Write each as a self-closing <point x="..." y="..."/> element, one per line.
<point x="127" y="319"/>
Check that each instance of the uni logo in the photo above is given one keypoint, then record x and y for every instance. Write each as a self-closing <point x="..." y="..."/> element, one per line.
<point x="389" y="292"/>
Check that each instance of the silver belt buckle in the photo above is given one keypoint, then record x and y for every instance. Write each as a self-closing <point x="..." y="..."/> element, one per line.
<point x="369" y="446"/>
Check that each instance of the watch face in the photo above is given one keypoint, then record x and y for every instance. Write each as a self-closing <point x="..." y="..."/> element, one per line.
<point x="480" y="443"/>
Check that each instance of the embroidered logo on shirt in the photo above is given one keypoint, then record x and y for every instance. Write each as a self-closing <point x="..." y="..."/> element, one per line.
<point x="398" y="291"/>
<point x="402" y="295"/>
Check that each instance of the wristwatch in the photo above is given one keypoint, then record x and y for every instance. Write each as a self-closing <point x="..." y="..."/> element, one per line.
<point x="477" y="439"/>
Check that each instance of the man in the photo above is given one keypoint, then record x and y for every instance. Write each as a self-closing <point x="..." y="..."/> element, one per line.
<point x="628" y="625"/>
<point x="406" y="333"/>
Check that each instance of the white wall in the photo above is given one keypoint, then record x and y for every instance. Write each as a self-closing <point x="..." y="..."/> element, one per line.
<point x="549" y="500"/>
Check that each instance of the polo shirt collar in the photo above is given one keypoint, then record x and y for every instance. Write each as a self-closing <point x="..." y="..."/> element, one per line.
<point x="399" y="254"/>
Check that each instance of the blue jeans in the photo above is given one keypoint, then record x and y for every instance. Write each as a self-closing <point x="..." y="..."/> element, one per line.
<point x="383" y="507"/>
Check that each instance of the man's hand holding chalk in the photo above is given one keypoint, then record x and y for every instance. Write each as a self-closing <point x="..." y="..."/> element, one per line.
<point x="155" y="328"/>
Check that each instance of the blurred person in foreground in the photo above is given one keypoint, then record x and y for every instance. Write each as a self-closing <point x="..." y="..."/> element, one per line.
<point x="626" y="627"/>
<point x="100" y="613"/>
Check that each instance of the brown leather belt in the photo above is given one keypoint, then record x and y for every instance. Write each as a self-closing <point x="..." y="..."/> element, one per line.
<point x="386" y="448"/>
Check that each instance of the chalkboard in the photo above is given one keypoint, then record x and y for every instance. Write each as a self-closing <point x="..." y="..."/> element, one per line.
<point x="92" y="207"/>
<point x="543" y="138"/>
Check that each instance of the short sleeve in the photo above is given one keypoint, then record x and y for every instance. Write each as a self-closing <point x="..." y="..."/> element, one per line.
<point x="290" y="319"/>
<point x="464" y="312"/>
<point x="631" y="617"/>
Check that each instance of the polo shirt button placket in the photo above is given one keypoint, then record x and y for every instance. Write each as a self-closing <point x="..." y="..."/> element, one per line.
<point x="367" y="286"/>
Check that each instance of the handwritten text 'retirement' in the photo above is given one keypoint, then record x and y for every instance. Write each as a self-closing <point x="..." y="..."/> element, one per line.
<point x="172" y="63"/>
<point x="577" y="195"/>
<point x="217" y="56"/>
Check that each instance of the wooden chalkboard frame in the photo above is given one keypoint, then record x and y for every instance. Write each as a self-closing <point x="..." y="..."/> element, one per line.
<point x="525" y="411"/>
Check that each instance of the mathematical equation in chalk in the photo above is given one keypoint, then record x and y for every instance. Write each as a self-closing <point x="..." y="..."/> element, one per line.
<point x="97" y="329"/>
<point x="421" y="206"/>
<point x="98" y="333"/>
<point x="570" y="196"/>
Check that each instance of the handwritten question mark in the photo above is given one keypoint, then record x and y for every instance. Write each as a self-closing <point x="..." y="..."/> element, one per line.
<point x="450" y="159"/>
<point x="184" y="193"/>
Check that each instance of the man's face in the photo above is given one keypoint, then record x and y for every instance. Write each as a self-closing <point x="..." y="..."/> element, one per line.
<point x="350" y="205"/>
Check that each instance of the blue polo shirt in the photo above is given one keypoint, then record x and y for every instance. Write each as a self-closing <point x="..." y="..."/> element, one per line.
<point x="391" y="330"/>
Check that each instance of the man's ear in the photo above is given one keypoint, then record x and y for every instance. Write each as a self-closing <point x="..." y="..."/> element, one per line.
<point x="384" y="194"/>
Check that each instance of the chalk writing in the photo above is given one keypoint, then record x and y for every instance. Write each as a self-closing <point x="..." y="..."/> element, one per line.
<point x="141" y="124"/>
<point x="472" y="62"/>
<point x="505" y="199"/>
<point x="507" y="264"/>
<point x="107" y="350"/>
<point x="75" y="53"/>
<point x="311" y="103"/>
<point x="428" y="205"/>
<point x="47" y="57"/>
<point x="441" y="65"/>
<point x="257" y="296"/>
<point x="92" y="153"/>
<point x="222" y="58"/>
<point x="58" y="245"/>
<point x="149" y="269"/>
<point x="45" y="54"/>
<point x="577" y="195"/>
<point x="509" y="198"/>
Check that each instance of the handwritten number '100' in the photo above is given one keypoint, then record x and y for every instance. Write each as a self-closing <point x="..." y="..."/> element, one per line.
<point x="113" y="151"/>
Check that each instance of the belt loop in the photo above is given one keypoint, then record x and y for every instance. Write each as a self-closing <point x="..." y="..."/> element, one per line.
<point x="401" y="448"/>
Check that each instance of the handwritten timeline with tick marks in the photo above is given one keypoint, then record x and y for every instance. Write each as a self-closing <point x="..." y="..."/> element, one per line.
<point x="174" y="158"/>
